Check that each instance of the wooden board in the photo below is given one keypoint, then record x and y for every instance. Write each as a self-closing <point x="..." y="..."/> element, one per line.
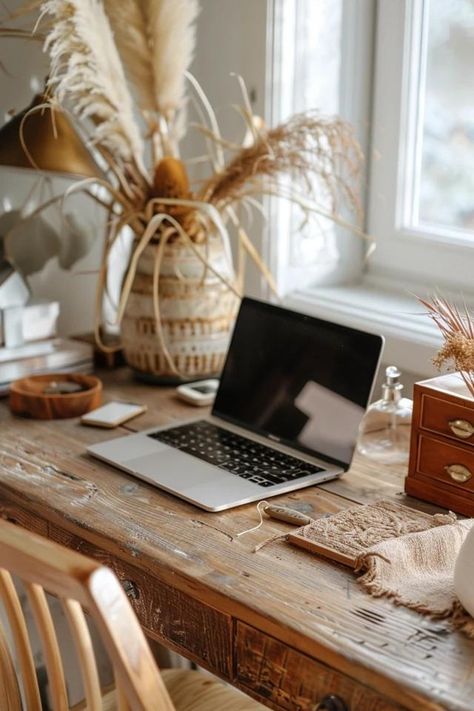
<point x="320" y="549"/>
<point x="344" y="539"/>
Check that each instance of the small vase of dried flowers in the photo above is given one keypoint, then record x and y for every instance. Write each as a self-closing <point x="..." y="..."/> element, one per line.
<point x="457" y="329"/>
<point x="120" y="69"/>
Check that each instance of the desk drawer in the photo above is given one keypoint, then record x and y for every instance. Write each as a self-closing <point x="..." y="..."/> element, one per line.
<point x="289" y="680"/>
<point x="450" y="419"/>
<point x="446" y="462"/>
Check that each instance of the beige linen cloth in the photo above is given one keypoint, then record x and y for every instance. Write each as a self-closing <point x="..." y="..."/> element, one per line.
<point x="416" y="570"/>
<point x="400" y="553"/>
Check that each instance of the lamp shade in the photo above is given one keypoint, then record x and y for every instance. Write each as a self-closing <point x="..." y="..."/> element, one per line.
<point x="51" y="141"/>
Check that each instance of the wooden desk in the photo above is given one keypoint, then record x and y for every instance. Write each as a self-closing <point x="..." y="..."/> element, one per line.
<point x="282" y="625"/>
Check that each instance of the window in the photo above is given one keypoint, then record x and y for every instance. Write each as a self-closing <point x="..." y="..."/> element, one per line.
<point x="421" y="190"/>
<point x="420" y="147"/>
<point x="320" y="58"/>
<point x="442" y="198"/>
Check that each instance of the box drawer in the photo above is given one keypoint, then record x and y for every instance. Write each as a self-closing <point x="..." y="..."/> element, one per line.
<point x="446" y="462"/>
<point x="446" y="418"/>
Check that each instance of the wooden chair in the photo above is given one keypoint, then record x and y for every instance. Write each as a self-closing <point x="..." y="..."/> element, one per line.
<point x="79" y="582"/>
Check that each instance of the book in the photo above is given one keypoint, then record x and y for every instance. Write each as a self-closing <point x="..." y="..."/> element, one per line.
<point x="31" y="322"/>
<point x="58" y="355"/>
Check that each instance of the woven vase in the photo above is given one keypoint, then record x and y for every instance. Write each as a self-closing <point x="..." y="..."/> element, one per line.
<point x="197" y="313"/>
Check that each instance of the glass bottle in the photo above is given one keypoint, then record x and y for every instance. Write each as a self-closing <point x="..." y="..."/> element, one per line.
<point x="384" y="433"/>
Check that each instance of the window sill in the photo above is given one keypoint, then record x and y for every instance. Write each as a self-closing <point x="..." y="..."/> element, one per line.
<point x="411" y="339"/>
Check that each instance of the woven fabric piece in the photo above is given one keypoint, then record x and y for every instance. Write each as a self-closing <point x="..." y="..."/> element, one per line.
<point x="416" y="571"/>
<point x="354" y="530"/>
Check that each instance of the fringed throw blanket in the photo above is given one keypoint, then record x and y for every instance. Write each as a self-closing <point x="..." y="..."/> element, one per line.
<point x="401" y="553"/>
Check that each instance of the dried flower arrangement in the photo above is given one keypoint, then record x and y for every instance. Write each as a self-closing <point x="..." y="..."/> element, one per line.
<point x="457" y="329"/>
<point x="122" y="70"/>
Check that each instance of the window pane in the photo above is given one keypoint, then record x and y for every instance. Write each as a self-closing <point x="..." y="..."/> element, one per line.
<point x="446" y="176"/>
<point x="308" y="67"/>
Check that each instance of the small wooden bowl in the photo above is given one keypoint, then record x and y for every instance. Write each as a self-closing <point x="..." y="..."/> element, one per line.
<point x="27" y="396"/>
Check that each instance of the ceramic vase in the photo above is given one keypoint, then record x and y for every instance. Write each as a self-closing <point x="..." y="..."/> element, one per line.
<point x="464" y="573"/>
<point x="197" y="312"/>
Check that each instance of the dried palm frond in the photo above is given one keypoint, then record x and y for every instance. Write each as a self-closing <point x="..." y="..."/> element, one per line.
<point x="321" y="155"/>
<point x="86" y="69"/>
<point x="457" y="329"/>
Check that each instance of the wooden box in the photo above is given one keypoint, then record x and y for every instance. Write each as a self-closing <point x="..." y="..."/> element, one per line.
<point x="441" y="466"/>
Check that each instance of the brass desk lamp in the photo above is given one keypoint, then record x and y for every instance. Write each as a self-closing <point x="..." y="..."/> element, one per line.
<point x="43" y="138"/>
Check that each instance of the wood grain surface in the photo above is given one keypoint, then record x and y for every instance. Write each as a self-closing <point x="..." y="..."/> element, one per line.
<point x="197" y="588"/>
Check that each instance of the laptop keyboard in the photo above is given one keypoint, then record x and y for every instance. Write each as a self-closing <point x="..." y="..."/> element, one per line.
<point x="238" y="455"/>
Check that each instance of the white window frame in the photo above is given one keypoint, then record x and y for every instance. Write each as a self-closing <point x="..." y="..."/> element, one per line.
<point x="427" y="257"/>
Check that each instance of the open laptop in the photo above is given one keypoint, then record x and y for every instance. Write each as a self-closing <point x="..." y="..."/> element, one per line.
<point x="286" y="415"/>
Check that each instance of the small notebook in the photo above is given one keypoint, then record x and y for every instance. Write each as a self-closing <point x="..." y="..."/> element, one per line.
<point x="349" y="533"/>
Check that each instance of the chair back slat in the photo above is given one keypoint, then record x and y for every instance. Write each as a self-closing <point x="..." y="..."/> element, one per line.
<point x="85" y="651"/>
<point x="52" y="656"/>
<point x="19" y="630"/>
<point x="133" y="662"/>
<point x="43" y="565"/>
<point x="9" y="689"/>
<point x="120" y="697"/>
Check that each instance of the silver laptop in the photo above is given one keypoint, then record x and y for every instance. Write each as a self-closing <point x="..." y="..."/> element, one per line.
<point x="286" y="414"/>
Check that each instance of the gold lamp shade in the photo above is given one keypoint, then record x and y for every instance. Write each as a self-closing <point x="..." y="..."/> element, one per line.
<point x="45" y="139"/>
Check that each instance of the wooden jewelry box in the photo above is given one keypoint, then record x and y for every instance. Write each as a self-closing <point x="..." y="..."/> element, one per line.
<point x="441" y="465"/>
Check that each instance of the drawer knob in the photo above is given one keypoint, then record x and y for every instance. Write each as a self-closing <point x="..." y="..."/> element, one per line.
<point x="331" y="703"/>
<point x="458" y="472"/>
<point x="461" y="428"/>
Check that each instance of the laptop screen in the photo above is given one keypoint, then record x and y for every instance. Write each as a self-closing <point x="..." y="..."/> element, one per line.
<point x="297" y="379"/>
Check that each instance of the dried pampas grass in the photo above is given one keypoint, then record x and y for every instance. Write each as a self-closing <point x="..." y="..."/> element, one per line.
<point x="321" y="155"/>
<point x="156" y="40"/>
<point x="457" y="329"/>
<point x="129" y="22"/>
<point x="86" y="70"/>
<point x="172" y="35"/>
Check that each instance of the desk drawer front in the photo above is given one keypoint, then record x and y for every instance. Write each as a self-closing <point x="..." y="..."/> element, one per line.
<point x="177" y="620"/>
<point x="447" y="418"/>
<point x="449" y="463"/>
<point x="292" y="681"/>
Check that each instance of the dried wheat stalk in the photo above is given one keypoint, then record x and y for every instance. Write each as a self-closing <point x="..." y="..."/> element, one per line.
<point x="320" y="154"/>
<point x="457" y="329"/>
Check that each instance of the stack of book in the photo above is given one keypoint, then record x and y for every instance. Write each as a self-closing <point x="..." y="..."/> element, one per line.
<point x="29" y="344"/>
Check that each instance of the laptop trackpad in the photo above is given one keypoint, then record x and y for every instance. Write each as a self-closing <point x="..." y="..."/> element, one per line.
<point x="175" y="469"/>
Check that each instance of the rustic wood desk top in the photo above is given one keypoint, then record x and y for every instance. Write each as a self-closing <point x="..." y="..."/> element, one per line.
<point x="283" y="625"/>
